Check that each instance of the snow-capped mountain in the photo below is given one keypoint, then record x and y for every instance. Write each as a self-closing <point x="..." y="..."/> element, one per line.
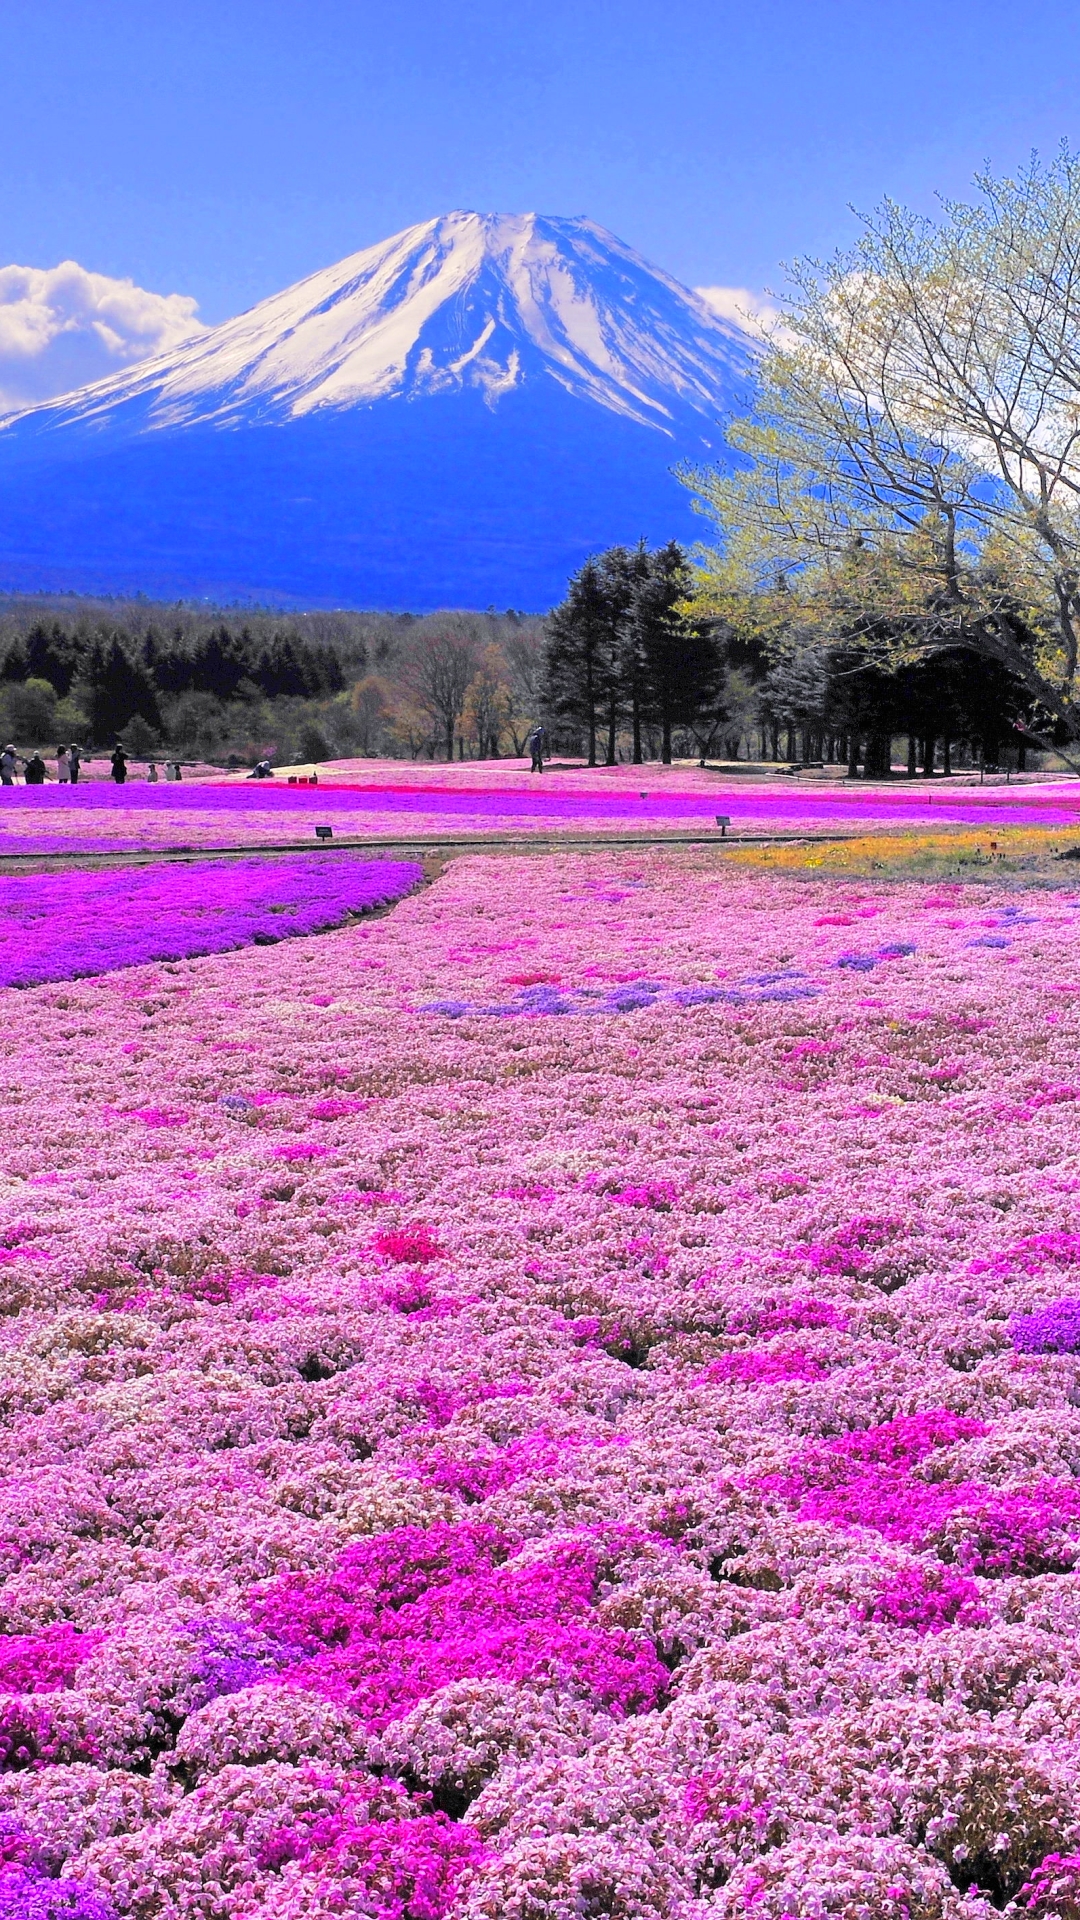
<point x="456" y="415"/>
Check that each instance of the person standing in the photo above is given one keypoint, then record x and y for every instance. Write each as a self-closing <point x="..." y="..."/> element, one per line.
<point x="34" y="771"/>
<point x="63" y="765"/>
<point x="537" y="742"/>
<point x="75" y="761"/>
<point x="119" y="765"/>
<point x="151" y="773"/>
<point x="7" y="766"/>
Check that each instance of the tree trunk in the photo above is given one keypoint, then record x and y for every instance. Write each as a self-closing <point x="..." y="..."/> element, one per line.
<point x="912" y="757"/>
<point x="929" y="745"/>
<point x="853" y="757"/>
<point x="665" y="745"/>
<point x="450" y="739"/>
<point x="878" y="756"/>
<point x="946" y="755"/>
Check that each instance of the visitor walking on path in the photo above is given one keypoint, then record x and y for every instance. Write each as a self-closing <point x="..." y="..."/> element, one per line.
<point x="34" y="771"/>
<point x="8" y="763"/>
<point x="63" y="766"/>
<point x="151" y="773"/>
<point x="537" y="741"/>
<point x="75" y="758"/>
<point x="119" y="766"/>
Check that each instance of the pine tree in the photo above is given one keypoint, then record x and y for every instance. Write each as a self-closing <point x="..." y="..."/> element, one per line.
<point x="16" y="665"/>
<point x="52" y="655"/>
<point x="581" y="663"/>
<point x="683" y="668"/>
<point x="632" y="668"/>
<point x="117" y="688"/>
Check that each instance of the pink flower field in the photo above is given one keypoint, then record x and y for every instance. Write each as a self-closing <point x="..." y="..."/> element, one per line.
<point x="457" y="803"/>
<point x="560" y="1402"/>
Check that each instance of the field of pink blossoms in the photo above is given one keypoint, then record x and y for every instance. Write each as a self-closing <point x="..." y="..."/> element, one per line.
<point x="458" y="803"/>
<point x="561" y="1402"/>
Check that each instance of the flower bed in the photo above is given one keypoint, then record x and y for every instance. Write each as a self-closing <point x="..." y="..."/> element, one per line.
<point x="620" y="1457"/>
<point x="100" y="817"/>
<point x="60" y="926"/>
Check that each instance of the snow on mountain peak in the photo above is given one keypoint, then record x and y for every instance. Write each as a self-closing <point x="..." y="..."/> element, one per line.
<point x="469" y="300"/>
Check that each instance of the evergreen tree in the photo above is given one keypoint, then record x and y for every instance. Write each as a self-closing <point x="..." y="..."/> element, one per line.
<point x="15" y="665"/>
<point x="52" y="655"/>
<point x="581" y="662"/>
<point x="117" y="688"/>
<point x="632" y="666"/>
<point x="683" y="667"/>
<point x="171" y="667"/>
<point x="220" y="661"/>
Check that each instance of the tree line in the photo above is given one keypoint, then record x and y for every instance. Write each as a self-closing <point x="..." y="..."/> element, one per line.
<point x="228" y="690"/>
<point x="639" y="663"/>
<point x="99" y="684"/>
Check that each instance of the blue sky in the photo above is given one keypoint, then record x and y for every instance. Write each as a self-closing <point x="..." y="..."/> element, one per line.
<point x="220" y="151"/>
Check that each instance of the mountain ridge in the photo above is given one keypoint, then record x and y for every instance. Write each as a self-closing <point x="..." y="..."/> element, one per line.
<point x="457" y="322"/>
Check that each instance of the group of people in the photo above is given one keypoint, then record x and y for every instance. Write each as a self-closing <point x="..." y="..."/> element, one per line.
<point x="69" y="762"/>
<point x="35" y="773"/>
<point x="119" y="766"/>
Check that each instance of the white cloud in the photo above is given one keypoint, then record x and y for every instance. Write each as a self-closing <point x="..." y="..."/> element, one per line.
<point x="61" y="327"/>
<point x="754" y="312"/>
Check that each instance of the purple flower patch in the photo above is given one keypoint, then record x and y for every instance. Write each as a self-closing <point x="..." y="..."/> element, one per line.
<point x="62" y="926"/>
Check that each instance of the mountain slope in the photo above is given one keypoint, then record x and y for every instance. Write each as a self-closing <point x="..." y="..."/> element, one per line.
<point x="457" y="415"/>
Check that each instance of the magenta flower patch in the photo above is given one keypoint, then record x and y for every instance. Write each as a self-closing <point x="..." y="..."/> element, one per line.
<point x="59" y="926"/>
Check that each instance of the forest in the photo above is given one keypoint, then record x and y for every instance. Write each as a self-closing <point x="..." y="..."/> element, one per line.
<point x="231" y="688"/>
<point x="641" y="661"/>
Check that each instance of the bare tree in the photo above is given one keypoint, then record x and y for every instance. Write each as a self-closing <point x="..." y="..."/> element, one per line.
<point x="488" y="704"/>
<point x="370" y="707"/>
<point x="524" y="650"/>
<point x="441" y="664"/>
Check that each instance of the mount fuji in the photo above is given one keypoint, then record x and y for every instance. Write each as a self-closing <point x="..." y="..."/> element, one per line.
<point x="455" y="417"/>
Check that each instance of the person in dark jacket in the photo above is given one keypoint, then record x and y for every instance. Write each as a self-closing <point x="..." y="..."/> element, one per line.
<point x="537" y="742"/>
<point x="75" y="756"/>
<point x="119" y="765"/>
<point x="34" y="770"/>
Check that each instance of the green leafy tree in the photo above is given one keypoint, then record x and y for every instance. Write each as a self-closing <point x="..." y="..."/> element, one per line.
<point x="918" y="408"/>
<point x="30" y="709"/>
<point x="140" y="739"/>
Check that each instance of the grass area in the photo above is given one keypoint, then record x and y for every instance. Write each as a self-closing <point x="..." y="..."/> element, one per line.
<point x="1026" y="856"/>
